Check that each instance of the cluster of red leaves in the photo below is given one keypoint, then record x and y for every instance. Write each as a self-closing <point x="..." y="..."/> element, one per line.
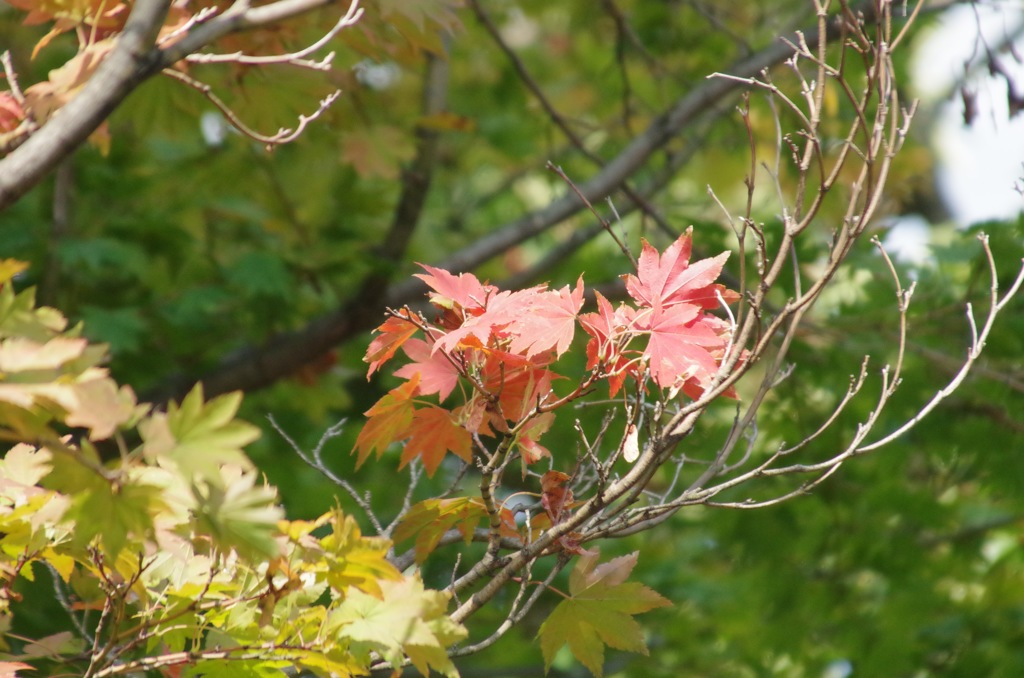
<point x="498" y="346"/>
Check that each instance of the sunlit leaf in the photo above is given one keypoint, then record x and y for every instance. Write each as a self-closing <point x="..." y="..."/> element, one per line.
<point x="198" y="438"/>
<point x="355" y="561"/>
<point x="408" y="620"/>
<point x="392" y="334"/>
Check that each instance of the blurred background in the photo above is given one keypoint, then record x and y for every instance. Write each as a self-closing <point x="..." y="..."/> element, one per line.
<point x="196" y="254"/>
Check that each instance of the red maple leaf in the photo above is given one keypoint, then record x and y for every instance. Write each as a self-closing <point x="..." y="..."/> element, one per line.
<point x="438" y="374"/>
<point x="528" y="436"/>
<point x="680" y="345"/>
<point x="610" y="332"/>
<point x="669" y="278"/>
<point x="434" y="433"/>
<point x="557" y="501"/>
<point x="555" y="497"/>
<point x="603" y="326"/>
<point x="519" y="391"/>
<point x="464" y="289"/>
<point x="547" y="320"/>
<point x="502" y="310"/>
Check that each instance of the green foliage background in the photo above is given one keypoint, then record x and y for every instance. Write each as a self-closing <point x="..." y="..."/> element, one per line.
<point x="180" y="253"/>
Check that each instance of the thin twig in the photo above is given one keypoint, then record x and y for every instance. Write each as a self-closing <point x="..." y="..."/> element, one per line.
<point x="315" y="462"/>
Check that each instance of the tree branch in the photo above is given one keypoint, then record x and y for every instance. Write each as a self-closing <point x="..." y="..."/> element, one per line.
<point x="132" y="61"/>
<point x="135" y="59"/>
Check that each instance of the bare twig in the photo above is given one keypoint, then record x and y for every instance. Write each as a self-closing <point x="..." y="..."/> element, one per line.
<point x="315" y="461"/>
<point x="282" y="136"/>
<point x="297" y="58"/>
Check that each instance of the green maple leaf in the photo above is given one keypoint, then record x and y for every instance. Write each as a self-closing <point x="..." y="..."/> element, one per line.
<point x="599" y="613"/>
<point x="238" y="513"/>
<point x="19" y="316"/>
<point x="199" y="438"/>
<point x="430" y="519"/>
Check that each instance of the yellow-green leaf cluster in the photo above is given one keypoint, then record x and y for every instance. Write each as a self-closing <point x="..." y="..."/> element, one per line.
<point x="48" y="372"/>
<point x="178" y="543"/>
<point x="407" y="620"/>
<point x="351" y="560"/>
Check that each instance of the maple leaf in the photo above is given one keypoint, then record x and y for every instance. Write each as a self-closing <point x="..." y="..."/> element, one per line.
<point x="669" y="278"/>
<point x="389" y="420"/>
<point x="599" y="612"/>
<point x="355" y="561"/>
<point x="91" y="400"/>
<point x="464" y="289"/>
<point x="115" y="515"/>
<point x="45" y="98"/>
<point x="21" y="469"/>
<point x="20" y="354"/>
<point x="476" y="415"/>
<point x="239" y="512"/>
<point x="12" y="267"/>
<point x="100" y="405"/>
<point x="608" y="331"/>
<point x="437" y="372"/>
<point x="10" y="669"/>
<point x="558" y="501"/>
<point x="555" y="497"/>
<point x="393" y="333"/>
<point x="631" y="444"/>
<point x="678" y="349"/>
<point x="501" y="310"/>
<point x="73" y="12"/>
<point x="519" y="390"/>
<point x="407" y="620"/>
<point x="528" y="436"/>
<point x="602" y="326"/>
<point x="430" y="519"/>
<point x="547" y="320"/>
<point x="433" y="432"/>
<point x="11" y="112"/>
<point x="199" y="437"/>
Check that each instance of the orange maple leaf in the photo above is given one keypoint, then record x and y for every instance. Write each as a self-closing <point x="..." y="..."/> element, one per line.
<point x="389" y="420"/>
<point x="393" y="332"/>
<point x="434" y="433"/>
